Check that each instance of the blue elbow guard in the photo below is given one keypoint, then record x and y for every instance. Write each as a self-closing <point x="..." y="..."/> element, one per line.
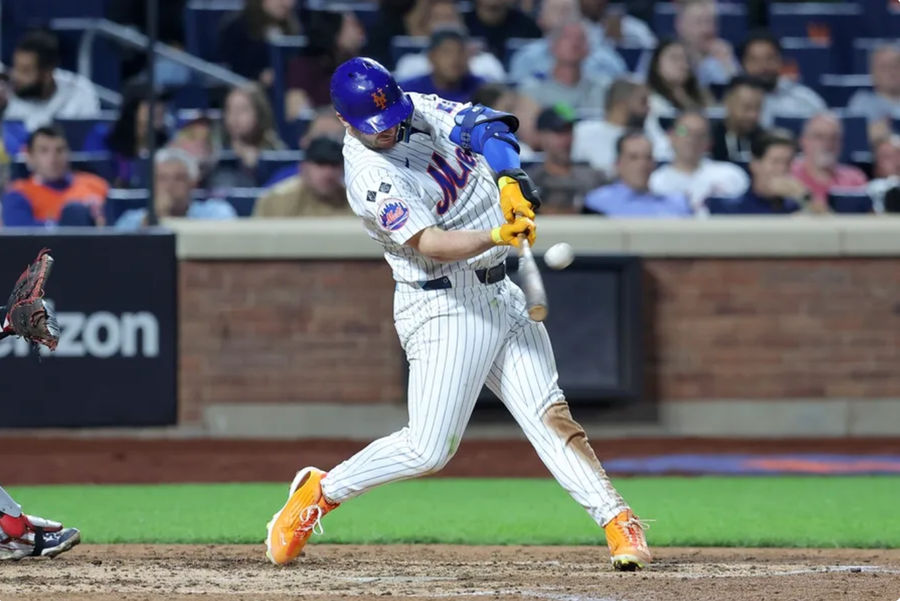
<point x="478" y="124"/>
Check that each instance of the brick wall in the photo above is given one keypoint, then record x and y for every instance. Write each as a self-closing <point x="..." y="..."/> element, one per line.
<point x="286" y="331"/>
<point x="768" y="329"/>
<point x="299" y="331"/>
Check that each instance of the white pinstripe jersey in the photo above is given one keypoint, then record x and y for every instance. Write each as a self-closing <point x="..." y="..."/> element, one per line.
<point x="427" y="181"/>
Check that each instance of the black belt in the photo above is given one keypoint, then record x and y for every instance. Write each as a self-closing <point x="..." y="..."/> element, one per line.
<point x="491" y="275"/>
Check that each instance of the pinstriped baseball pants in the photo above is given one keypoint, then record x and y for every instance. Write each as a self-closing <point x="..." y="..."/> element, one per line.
<point x="456" y="340"/>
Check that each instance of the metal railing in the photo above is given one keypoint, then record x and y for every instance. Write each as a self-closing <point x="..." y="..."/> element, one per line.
<point x="132" y="38"/>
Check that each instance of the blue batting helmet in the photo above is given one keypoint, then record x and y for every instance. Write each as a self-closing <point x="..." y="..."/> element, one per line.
<point x="365" y="94"/>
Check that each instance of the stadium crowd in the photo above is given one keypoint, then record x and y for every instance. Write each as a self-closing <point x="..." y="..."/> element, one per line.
<point x="689" y="114"/>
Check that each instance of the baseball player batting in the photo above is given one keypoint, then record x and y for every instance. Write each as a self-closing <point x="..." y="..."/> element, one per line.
<point x="421" y="175"/>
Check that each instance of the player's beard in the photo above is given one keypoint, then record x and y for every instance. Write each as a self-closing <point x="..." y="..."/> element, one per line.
<point x="381" y="141"/>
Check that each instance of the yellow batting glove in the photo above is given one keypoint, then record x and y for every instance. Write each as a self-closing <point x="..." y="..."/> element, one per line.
<point x="512" y="201"/>
<point x="512" y="233"/>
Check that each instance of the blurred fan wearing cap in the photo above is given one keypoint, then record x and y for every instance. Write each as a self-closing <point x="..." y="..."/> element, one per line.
<point x="563" y="183"/>
<point x="318" y="190"/>
<point x="450" y="77"/>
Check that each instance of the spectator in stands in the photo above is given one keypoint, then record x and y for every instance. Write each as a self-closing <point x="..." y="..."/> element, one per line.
<point x="887" y="157"/>
<point x="242" y="38"/>
<point x="333" y="38"/>
<point x="692" y="174"/>
<point x="630" y="195"/>
<point x="712" y="57"/>
<point x="324" y="124"/>
<point x="626" y="108"/>
<point x="567" y="82"/>
<point x="41" y="92"/>
<point x="249" y="130"/>
<point x="196" y="138"/>
<point x="443" y="14"/>
<point x="773" y="190"/>
<point x="394" y="18"/>
<point x="508" y="100"/>
<point x="761" y="58"/>
<point x="673" y="85"/>
<point x="318" y="190"/>
<point x="176" y="177"/>
<point x="450" y="77"/>
<point x="884" y="101"/>
<point x="732" y="139"/>
<point x="617" y="27"/>
<point x="54" y="194"/>
<point x="535" y="58"/>
<point x="818" y="168"/>
<point x="884" y="189"/>
<point x="496" y="21"/>
<point x="4" y="154"/>
<point x="129" y="138"/>
<point x="562" y="182"/>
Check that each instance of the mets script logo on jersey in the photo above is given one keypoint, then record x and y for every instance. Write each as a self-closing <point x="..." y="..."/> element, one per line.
<point x="450" y="180"/>
<point x="379" y="99"/>
<point x="392" y="214"/>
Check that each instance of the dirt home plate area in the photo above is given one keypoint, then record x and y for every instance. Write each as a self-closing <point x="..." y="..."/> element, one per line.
<point x="454" y="572"/>
<point x="330" y="572"/>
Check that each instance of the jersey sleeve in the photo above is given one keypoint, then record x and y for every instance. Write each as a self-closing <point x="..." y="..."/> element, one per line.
<point x="390" y="204"/>
<point x="438" y="113"/>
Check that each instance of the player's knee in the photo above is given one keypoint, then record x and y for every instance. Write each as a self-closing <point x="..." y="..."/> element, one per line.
<point x="434" y="462"/>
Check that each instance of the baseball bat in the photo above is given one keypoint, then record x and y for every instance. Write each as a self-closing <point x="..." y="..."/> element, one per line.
<point x="532" y="283"/>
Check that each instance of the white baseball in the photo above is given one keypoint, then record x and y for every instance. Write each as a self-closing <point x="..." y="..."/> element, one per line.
<point x="559" y="256"/>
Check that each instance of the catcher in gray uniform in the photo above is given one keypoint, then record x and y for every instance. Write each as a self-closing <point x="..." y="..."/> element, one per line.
<point x="27" y="315"/>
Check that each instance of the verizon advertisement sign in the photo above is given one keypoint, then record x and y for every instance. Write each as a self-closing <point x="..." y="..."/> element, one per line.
<point x="115" y="365"/>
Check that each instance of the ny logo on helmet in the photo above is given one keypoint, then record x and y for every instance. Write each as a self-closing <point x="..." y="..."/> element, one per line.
<point x="380" y="99"/>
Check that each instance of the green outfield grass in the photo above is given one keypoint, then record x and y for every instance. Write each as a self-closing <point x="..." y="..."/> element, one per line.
<point x="712" y="511"/>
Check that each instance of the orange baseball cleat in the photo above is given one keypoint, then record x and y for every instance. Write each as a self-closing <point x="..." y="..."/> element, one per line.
<point x="627" y="546"/>
<point x="294" y="523"/>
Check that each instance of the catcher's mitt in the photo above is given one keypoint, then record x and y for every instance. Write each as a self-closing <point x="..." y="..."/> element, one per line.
<point x="26" y="314"/>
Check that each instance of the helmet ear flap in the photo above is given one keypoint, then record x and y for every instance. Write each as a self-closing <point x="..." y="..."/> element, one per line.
<point x="405" y="129"/>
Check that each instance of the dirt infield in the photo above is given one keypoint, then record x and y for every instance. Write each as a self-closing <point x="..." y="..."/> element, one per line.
<point x="72" y="460"/>
<point x="330" y="572"/>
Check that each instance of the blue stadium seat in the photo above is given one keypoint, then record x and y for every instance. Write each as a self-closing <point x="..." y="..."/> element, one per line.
<point x="856" y="136"/>
<point x="834" y="22"/>
<point x="83" y="134"/>
<point x="407" y="44"/>
<point x="274" y="162"/>
<point x="15" y="136"/>
<point x="836" y="90"/>
<point x="294" y="130"/>
<point x="633" y="56"/>
<point x="732" y="20"/>
<point x="849" y="201"/>
<point x="880" y="17"/>
<point x="719" y="206"/>
<point x="98" y="163"/>
<point x="812" y="58"/>
<point x="202" y="19"/>
<point x="119" y="200"/>
<point x="792" y="124"/>
<point x="243" y="199"/>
